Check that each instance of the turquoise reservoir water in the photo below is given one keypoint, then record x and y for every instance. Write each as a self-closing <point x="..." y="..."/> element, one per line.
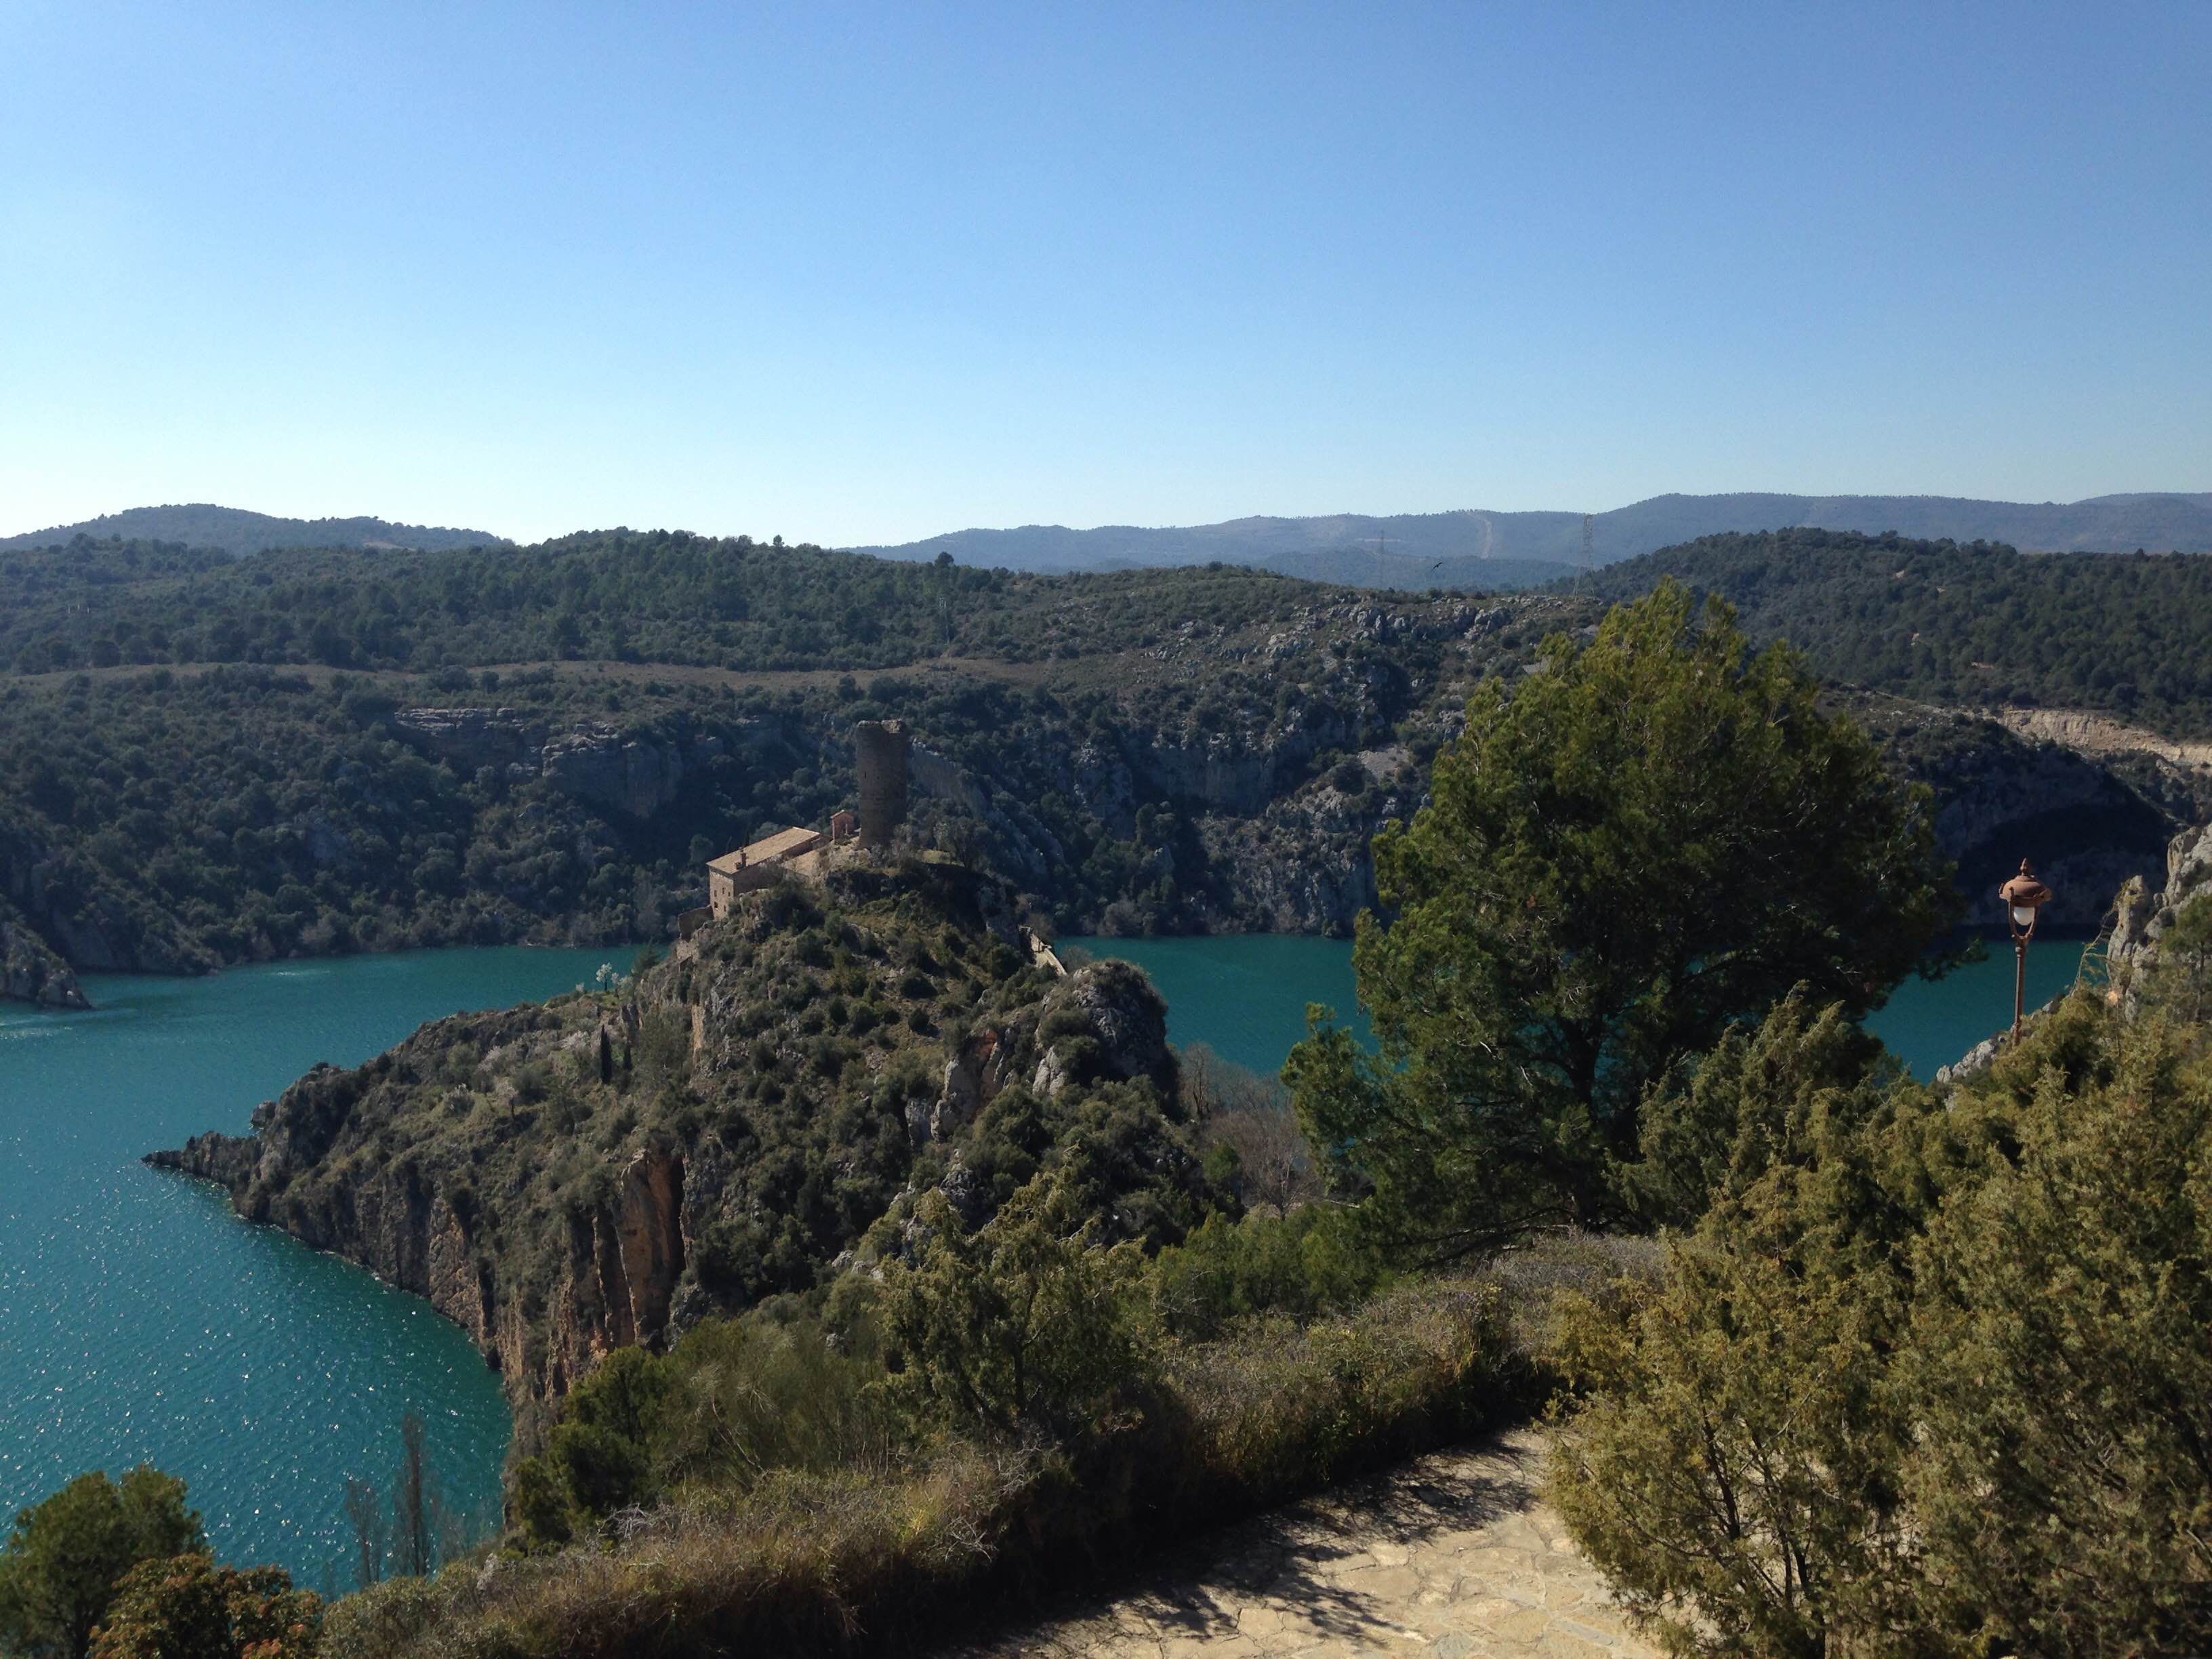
<point x="1927" y="1025"/>
<point x="1245" y="995"/>
<point x="141" y="1321"/>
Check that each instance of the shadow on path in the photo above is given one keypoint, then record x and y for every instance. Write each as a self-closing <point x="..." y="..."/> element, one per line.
<point x="1302" y="1564"/>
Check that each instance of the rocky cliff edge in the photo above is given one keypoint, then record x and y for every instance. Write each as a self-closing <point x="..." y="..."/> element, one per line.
<point x="565" y="1178"/>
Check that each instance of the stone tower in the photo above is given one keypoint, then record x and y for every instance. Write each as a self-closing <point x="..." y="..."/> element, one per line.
<point x="880" y="748"/>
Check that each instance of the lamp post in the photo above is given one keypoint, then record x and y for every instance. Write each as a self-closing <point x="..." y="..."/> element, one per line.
<point x="2023" y="896"/>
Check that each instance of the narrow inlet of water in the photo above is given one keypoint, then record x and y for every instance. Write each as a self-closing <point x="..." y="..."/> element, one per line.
<point x="1244" y="995"/>
<point x="141" y="1321"/>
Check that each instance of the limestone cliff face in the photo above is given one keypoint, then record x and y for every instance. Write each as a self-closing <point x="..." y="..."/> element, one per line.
<point x="317" y="1166"/>
<point x="2090" y="823"/>
<point x="638" y="775"/>
<point x="2141" y="915"/>
<point x="565" y="1179"/>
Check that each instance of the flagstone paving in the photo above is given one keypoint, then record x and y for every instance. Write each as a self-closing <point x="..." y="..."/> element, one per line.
<point x="1453" y="1556"/>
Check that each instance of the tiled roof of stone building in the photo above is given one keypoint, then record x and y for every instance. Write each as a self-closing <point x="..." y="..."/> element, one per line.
<point x="768" y="850"/>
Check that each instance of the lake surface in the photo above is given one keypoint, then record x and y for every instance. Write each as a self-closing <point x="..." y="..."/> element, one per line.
<point x="140" y="1320"/>
<point x="1245" y="995"/>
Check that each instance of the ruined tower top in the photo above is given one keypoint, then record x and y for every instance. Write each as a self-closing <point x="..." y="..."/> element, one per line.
<point x="879" y="747"/>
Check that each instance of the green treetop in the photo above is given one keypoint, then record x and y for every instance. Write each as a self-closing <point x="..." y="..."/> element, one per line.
<point x="1653" y="837"/>
<point x="60" y="1566"/>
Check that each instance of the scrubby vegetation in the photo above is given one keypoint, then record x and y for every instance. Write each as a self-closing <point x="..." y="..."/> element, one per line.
<point x="1011" y="1409"/>
<point x="1930" y="1375"/>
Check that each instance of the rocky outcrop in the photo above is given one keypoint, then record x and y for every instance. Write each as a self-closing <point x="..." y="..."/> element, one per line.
<point x="2090" y="824"/>
<point x="1115" y="1005"/>
<point x="932" y="774"/>
<point x="638" y="773"/>
<point x="2141" y="915"/>
<point x="1304" y="865"/>
<point x="2100" y="736"/>
<point x="601" y="765"/>
<point x="30" y="972"/>
<point x="566" y="1179"/>
<point x="430" y="1230"/>
<point x="469" y="740"/>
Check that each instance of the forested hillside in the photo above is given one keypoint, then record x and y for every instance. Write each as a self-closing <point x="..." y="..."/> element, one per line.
<point x="211" y="761"/>
<point x="1979" y="625"/>
<point x="632" y="597"/>
<point x="1224" y="773"/>
<point x="233" y="530"/>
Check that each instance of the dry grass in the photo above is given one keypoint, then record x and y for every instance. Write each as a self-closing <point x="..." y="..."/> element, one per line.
<point x="848" y="1562"/>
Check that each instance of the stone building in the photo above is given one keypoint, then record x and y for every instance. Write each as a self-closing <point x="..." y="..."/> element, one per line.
<point x="756" y="866"/>
<point x="880" y="754"/>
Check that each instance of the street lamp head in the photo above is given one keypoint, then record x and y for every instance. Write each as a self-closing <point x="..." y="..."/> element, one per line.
<point x="2023" y="896"/>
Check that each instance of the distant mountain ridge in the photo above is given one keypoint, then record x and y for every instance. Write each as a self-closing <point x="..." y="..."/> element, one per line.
<point x="235" y="530"/>
<point x="1471" y="547"/>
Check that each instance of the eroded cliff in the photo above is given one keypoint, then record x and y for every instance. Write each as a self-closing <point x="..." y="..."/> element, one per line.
<point x="567" y="1178"/>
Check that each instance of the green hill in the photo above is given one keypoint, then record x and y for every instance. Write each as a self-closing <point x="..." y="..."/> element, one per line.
<point x="1978" y="624"/>
<point x="234" y="530"/>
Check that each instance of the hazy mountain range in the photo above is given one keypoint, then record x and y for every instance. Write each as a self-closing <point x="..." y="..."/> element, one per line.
<point x="236" y="530"/>
<point x="1468" y="549"/>
<point x="1496" y="549"/>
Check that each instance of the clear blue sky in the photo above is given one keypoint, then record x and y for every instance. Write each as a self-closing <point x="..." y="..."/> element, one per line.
<point x="855" y="274"/>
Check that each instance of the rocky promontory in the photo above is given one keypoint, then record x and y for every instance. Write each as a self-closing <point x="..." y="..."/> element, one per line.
<point x="743" y="1120"/>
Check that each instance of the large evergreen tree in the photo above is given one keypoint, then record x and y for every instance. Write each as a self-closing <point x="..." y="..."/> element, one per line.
<point x="1654" y="835"/>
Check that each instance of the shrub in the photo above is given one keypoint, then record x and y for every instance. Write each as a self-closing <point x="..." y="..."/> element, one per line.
<point x="185" y="1606"/>
<point x="533" y="1083"/>
<point x="1300" y="1264"/>
<point x="1939" y="1368"/>
<point x="1022" y="1325"/>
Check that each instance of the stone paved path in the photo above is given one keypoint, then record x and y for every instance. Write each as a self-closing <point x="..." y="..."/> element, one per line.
<point x="1452" y="1556"/>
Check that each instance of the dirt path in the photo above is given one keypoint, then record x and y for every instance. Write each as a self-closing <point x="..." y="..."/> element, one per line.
<point x="1452" y="1556"/>
<point x="770" y="679"/>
